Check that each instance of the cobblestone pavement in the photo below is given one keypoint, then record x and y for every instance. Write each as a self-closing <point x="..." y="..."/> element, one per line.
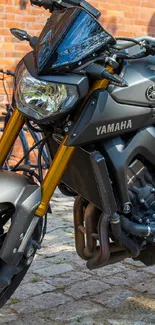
<point x="59" y="289"/>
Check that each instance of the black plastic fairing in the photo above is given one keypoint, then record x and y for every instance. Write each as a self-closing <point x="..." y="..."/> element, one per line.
<point x="120" y="155"/>
<point x="80" y="172"/>
<point x="140" y="76"/>
<point x="80" y="81"/>
<point x="104" y="118"/>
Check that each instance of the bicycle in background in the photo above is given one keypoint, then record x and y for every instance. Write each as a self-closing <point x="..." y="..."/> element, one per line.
<point x="20" y="151"/>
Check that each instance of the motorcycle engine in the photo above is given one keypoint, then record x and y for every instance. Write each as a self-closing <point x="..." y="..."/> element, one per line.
<point x="141" y="187"/>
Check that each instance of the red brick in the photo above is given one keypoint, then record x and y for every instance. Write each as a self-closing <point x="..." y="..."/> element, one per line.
<point x="22" y="47"/>
<point x="14" y="24"/>
<point x="119" y="17"/>
<point x="7" y="46"/>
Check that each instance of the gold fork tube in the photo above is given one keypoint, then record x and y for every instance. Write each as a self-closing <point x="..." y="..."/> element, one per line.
<point x="10" y="134"/>
<point x="54" y="176"/>
<point x="62" y="159"/>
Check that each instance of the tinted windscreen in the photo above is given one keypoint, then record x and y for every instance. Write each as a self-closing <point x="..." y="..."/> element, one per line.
<point x="69" y="36"/>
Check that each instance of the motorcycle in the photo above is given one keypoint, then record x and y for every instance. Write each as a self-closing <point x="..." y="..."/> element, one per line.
<point x="95" y="104"/>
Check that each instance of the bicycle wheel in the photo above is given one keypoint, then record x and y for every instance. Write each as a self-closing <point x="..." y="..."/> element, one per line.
<point x="18" y="150"/>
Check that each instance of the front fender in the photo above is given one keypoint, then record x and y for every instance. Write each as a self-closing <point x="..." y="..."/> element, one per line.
<point x="25" y="195"/>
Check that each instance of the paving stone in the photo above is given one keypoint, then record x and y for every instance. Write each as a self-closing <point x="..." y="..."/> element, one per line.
<point x="65" y="227"/>
<point x="150" y="270"/>
<point x="33" y="320"/>
<point x="132" y="262"/>
<point x="117" y="280"/>
<point x="80" y="265"/>
<point x="127" y="322"/>
<point x="74" y="311"/>
<point x="57" y="220"/>
<point x="55" y="269"/>
<point x="126" y="278"/>
<point x="88" y="321"/>
<point x="142" y="306"/>
<point x="68" y="279"/>
<point x="61" y="203"/>
<point x="7" y="316"/>
<point x="40" y="302"/>
<point x="55" y="239"/>
<point x="53" y="222"/>
<point x="136" y="276"/>
<point x="109" y="270"/>
<point x="68" y="256"/>
<point x="54" y="249"/>
<point x="145" y="287"/>
<point x="113" y="298"/>
<point x="29" y="277"/>
<point x="87" y="288"/>
<point x="38" y="263"/>
<point x="150" y="319"/>
<point x="32" y="289"/>
<point x="65" y="209"/>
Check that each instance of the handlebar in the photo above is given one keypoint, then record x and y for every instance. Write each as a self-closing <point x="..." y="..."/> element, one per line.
<point x="122" y="45"/>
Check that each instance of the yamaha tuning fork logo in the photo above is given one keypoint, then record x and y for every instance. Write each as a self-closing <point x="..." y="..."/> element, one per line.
<point x="150" y="93"/>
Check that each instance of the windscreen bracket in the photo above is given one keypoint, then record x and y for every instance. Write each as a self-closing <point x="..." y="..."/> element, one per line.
<point x="83" y="4"/>
<point x="59" y="4"/>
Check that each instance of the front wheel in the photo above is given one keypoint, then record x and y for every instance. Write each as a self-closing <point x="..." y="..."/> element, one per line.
<point x="24" y="265"/>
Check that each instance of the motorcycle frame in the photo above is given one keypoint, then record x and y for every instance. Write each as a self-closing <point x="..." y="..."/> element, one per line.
<point x="61" y="159"/>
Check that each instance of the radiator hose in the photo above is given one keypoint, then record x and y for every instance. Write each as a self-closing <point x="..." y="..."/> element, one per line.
<point x="122" y="238"/>
<point x="137" y="229"/>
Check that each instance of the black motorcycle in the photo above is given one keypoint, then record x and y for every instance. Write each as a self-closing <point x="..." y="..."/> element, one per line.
<point x="94" y="100"/>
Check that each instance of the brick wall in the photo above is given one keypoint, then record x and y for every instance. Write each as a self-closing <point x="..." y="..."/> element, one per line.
<point x="128" y="18"/>
<point x="119" y="18"/>
<point x="16" y="13"/>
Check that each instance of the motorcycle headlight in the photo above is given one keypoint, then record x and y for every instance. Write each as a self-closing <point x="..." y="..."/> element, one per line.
<point x="41" y="99"/>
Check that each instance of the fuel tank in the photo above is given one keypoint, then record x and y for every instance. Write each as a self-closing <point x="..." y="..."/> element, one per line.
<point x="140" y="76"/>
